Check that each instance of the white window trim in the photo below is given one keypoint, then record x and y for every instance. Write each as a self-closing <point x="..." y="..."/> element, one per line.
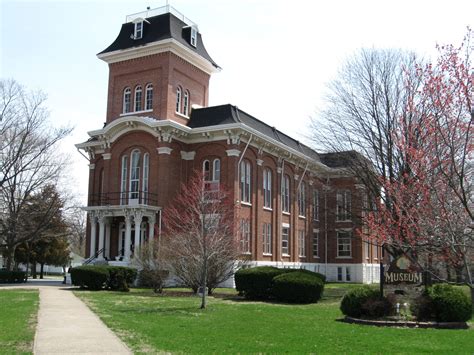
<point x="268" y="209"/>
<point x="337" y="243"/>
<point x="131" y="113"/>
<point x="181" y="115"/>
<point x="136" y="30"/>
<point x="148" y="87"/>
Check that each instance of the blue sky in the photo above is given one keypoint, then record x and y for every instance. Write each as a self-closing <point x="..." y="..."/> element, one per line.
<point x="277" y="56"/>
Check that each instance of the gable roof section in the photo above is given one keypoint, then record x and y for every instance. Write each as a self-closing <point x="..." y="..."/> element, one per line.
<point x="155" y="29"/>
<point x="227" y="114"/>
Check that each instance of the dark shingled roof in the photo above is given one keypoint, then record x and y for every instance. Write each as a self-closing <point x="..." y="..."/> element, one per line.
<point x="342" y="159"/>
<point x="160" y="27"/>
<point x="227" y="114"/>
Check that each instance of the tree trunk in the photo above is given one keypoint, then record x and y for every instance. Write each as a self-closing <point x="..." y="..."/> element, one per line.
<point x="33" y="270"/>
<point x="41" y="270"/>
<point x="472" y="296"/>
<point x="10" y="252"/>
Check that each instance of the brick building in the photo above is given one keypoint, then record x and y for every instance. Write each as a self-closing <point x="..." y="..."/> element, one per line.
<point x="298" y="208"/>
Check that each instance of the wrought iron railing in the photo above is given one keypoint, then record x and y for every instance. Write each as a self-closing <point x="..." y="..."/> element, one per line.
<point x="123" y="198"/>
<point x="93" y="257"/>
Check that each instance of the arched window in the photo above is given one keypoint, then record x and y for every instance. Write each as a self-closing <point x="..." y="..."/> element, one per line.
<point x="206" y="170"/>
<point x="245" y="178"/>
<point x="285" y="194"/>
<point x="212" y="174"/>
<point x="146" y="169"/>
<point x="123" y="184"/>
<point x="186" y="103"/>
<point x="138" y="98"/>
<point x="127" y="96"/>
<point x="178" y="99"/>
<point x="267" y="188"/>
<point x="302" y="199"/>
<point x="134" y="174"/>
<point x="216" y="171"/>
<point x="149" y="97"/>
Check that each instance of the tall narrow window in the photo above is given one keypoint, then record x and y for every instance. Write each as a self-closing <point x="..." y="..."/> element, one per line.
<point x="348" y="273"/>
<point x="206" y="170"/>
<point x="245" y="236"/>
<point x="267" y="238"/>
<point x="149" y="97"/>
<point x="134" y="174"/>
<point x="316" y="205"/>
<point x="178" y="99"/>
<point x="245" y="175"/>
<point x="127" y="97"/>
<point x="285" y="241"/>
<point x="302" y="200"/>
<point x="186" y="103"/>
<point x="267" y="188"/>
<point x="138" y="33"/>
<point x="138" y="98"/>
<point x="344" y="244"/>
<point x="367" y="249"/>
<point x="285" y="198"/>
<point x="339" y="273"/>
<point x="123" y="184"/>
<point x="193" y="39"/>
<point x="315" y="243"/>
<point x="146" y="169"/>
<point x="301" y="243"/>
<point x="343" y="205"/>
<point x="216" y="172"/>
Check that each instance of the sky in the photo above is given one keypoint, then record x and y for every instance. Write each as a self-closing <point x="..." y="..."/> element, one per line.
<point x="277" y="57"/>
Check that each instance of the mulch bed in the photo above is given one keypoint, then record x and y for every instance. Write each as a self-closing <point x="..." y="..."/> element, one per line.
<point x="406" y="324"/>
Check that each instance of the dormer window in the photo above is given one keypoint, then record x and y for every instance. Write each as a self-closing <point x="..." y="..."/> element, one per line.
<point x="138" y="33"/>
<point x="193" y="39"/>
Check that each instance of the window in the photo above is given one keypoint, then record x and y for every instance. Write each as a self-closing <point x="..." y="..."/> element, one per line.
<point x="211" y="175"/>
<point x="348" y="273"/>
<point x="267" y="238"/>
<point x="343" y="243"/>
<point x="301" y="244"/>
<point x="376" y="251"/>
<point x="343" y="205"/>
<point x="244" y="236"/>
<point x="134" y="174"/>
<point x="178" y="99"/>
<point x="193" y="39"/>
<point x="367" y="249"/>
<point x="285" y="242"/>
<point x="216" y="172"/>
<point x="149" y="97"/>
<point x="138" y="33"/>
<point x="315" y="243"/>
<point x="302" y="199"/>
<point x="245" y="175"/>
<point x="267" y="188"/>
<point x="123" y="184"/>
<point x="206" y="170"/>
<point x="316" y="205"/>
<point x="146" y="169"/>
<point x="127" y="96"/>
<point x="138" y="98"/>
<point x="186" y="103"/>
<point x="339" y="273"/>
<point x="285" y="191"/>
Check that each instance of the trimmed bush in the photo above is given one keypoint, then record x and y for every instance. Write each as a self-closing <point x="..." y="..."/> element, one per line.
<point x="365" y="301"/>
<point x="298" y="287"/>
<point x="256" y="283"/>
<point x="422" y="308"/>
<point x="312" y="273"/>
<point x="450" y="304"/>
<point x="115" y="278"/>
<point x="12" y="276"/>
<point x="152" y="278"/>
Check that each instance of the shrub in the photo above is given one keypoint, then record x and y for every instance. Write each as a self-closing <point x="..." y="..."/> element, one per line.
<point x="321" y="276"/>
<point x="365" y="301"/>
<point x="98" y="277"/>
<point x="256" y="283"/>
<point x="152" y="278"/>
<point x="450" y="304"/>
<point x="91" y="277"/>
<point x="297" y="287"/>
<point x="422" y="308"/>
<point x="12" y="276"/>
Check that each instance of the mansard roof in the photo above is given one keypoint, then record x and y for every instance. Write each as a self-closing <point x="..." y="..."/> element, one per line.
<point x="227" y="114"/>
<point x="155" y="29"/>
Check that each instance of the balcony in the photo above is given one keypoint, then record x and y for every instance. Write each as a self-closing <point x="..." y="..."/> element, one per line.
<point x="124" y="198"/>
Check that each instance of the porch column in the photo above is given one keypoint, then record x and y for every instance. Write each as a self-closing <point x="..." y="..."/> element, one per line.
<point x="138" y="222"/>
<point x="102" y="220"/>
<point x="93" y="234"/>
<point x="128" y="232"/>
<point x="151" y="230"/>
<point x="107" y="238"/>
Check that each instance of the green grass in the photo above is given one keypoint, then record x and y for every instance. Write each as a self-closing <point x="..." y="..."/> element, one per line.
<point x="18" y="315"/>
<point x="150" y="323"/>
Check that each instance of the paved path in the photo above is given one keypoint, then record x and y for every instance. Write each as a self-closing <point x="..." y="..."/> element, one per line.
<point x="67" y="326"/>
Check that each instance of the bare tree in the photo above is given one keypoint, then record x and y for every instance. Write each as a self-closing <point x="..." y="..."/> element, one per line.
<point x="76" y="222"/>
<point x="200" y="235"/>
<point x="151" y="262"/>
<point x="28" y="163"/>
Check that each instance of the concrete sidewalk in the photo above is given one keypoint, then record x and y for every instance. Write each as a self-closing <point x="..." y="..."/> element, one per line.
<point x="67" y="326"/>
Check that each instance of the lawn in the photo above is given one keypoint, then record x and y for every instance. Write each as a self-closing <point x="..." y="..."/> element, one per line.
<point x="18" y="311"/>
<point x="149" y="323"/>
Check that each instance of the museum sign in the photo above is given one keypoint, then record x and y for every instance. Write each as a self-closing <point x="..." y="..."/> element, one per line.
<point x="403" y="270"/>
